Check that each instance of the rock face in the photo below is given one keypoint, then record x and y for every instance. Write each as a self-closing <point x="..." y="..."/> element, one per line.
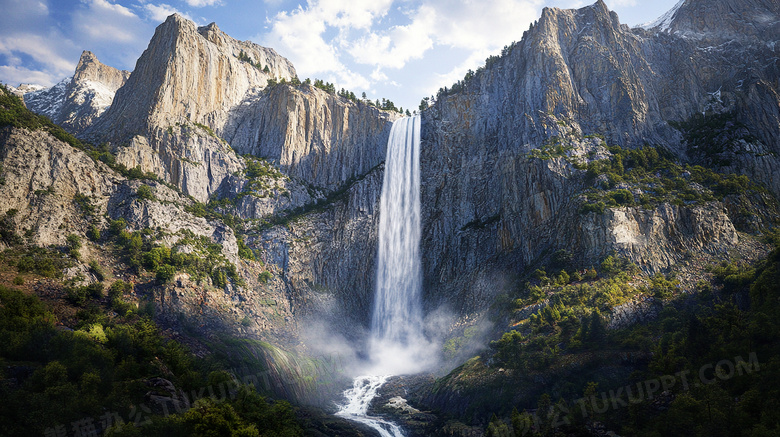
<point x="312" y="135"/>
<point x="188" y="73"/>
<point x="489" y="209"/>
<point x="77" y="102"/>
<point x="42" y="175"/>
<point x="720" y="21"/>
<point x="328" y="258"/>
<point x="176" y="120"/>
<point x="584" y="66"/>
<point x="164" y="118"/>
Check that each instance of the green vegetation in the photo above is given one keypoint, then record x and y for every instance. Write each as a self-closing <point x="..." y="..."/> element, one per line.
<point x="655" y="178"/>
<point x="461" y="85"/>
<point x="317" y="206"/>
<point x="195" y="255"/>
<point x="264" y="277"/>
<point x="41" y="261"/>
<point x="700" y="331"/>
<point x="713" y="139"/>
<point x="144" y="192"/>
<point x="568" y="316"/>
<point x="244" y="251"/>
<point x="384" y="104"/>
<point x="8" y="228"/>
<point x="263" y="178"/>
<point x="97" y="270"/>
<point x="14" y="113"/>
<point x="84" y="202"/>
<point x="98" y="373"/>
<point x="553" y="148"/>
<point x="248" y="59"/>
<point x="73" y="243"/>
<point x="207" y="129"/>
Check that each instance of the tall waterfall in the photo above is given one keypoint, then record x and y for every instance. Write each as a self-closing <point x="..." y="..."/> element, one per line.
<point x="397" y="315"/>
<point x="396" y="343"/>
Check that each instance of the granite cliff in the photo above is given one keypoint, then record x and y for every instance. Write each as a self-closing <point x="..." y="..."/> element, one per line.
<point x="581" y="80"/>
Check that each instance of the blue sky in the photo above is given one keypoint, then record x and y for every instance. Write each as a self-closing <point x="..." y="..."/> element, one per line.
<point x="397" y="49"/>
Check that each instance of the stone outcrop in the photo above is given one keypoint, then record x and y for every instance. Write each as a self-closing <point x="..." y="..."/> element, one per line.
<point x="76" y="102"/>
<point x="489" y="209"/>
<point x="585" y="67"/>
<point x="721" y="21"/>
<point x="163" y="120"/>
<point x="328" y="258"/>
<point x="177" y="121"/>
<point x="42" y="176"/>
<point x="187" y="73"/>
<point x="320" y="138"/>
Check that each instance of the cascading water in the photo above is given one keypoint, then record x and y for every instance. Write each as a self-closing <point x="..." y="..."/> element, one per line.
<point x="397" y="317"/>
<point x="358" y="399"/>
<point x="396" y="344"/>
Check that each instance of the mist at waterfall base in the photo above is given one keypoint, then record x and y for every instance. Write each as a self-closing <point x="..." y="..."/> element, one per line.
<point x="396" y="343"/>
<point x="399" y="339"/>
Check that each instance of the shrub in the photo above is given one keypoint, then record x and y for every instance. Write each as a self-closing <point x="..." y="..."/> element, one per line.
<point x="165" y="272"/>
<point x="218" y="278"/>
<point x="93" y="233"/>
<point x="73" y="241"/>
<point x="95" y="290"/>
<point x="116" y="289"/>
<point x="18" y="280"/>
<point x="95" y="268"/>
<point x="77" y="295"/>
<point x="44" y="262"/>
<point x="244" y="251"/>
<point x="622" y="197"/>
<point x="144" y="192"/>
<point x="85" y="203"/>
<point x="264" y="277"/>
<point x="117" y="226"/>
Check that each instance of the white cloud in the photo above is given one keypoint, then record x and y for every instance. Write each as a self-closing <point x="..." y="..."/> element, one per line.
<point x="40" y="49"/>
<point x="300" y="36"/>
<point x="355" y="14"/>
<point x="397" y="45"/>
<point x="378" y="76"/>
<point x="201" y="3"/>
<point x="103" y="22"/>
<point x="15" y="75"/>
<point x="472" y="62"/>
<point x="479" y="25"/>
<point x="158" y="13"/>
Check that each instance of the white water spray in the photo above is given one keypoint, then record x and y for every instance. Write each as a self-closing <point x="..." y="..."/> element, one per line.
<point x="358" y="399"/>
<point x="396" y="344"/>
<point x="397" y="317"/>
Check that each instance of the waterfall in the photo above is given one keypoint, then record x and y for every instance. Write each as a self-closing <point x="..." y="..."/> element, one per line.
<point x="396" y="318"/>
<point x="396" y="342"/>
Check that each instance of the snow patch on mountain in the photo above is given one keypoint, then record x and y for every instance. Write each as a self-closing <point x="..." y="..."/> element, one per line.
<point x="48" y="101"/>
<point x="663" y="22"/>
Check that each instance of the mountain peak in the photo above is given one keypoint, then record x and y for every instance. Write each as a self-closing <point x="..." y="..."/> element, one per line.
<point x="90" y="68"/>
<point x="188" y="72"/>
<point x="720" y="19"/>
<point x="77" y="101"/>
